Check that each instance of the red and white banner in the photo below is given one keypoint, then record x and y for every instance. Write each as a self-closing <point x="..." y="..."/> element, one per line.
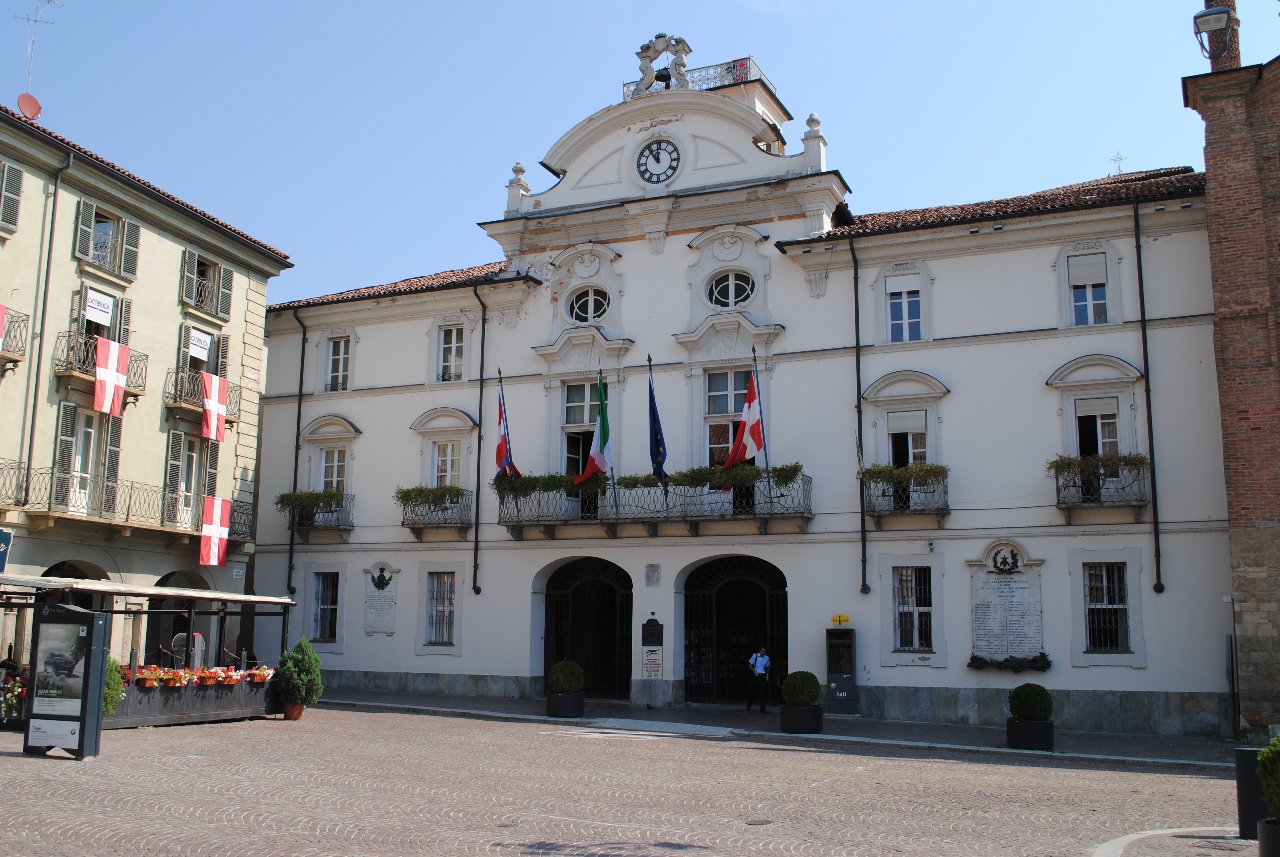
<point x="214" y="530"/>
<point x="112" y="369"/>
<point x="750" y="440"/>
<point x="213" y="391"/>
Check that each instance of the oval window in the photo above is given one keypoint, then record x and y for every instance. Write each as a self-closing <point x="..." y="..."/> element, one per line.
<point x="731" y="290"/>
<point x="589" y="305"/>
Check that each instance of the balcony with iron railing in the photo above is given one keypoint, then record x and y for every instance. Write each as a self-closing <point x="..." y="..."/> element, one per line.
<point x="1100" y="481"/>
<point x="710" y="77"/>
<point x="184" y="392"/>
<point x="649" y="506"/>
<point x="11" y="482"/>
<point x="310" y="511"/>
<point x="75" y="356"/>
<point x="125" y="505"/>
<point x="208" y="297"/>
<point x="918" y="489"/>
<point x="104" y="250"/>
<point x="15" y="332"/>
<point x="420" y="515"/>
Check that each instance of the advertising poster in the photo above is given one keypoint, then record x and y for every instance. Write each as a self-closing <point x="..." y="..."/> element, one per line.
<point x="59" y="669"/>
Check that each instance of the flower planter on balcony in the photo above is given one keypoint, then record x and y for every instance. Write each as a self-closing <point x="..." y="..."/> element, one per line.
<point x="1100" y="482"/>
<point x="425" y="509"/>
<point x="311" y="511"/>
<point x="916" y="490"/>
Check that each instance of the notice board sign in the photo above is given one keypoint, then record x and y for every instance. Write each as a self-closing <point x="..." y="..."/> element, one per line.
<point x="64" y="703"/>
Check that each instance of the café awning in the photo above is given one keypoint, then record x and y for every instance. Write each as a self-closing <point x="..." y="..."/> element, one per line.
<point x="17" y="585"/>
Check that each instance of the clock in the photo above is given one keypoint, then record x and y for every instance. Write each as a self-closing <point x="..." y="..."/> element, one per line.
<point x="658" y="161"/>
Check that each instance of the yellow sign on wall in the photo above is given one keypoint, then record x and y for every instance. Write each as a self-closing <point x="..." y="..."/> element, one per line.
<point x="839" y="619"/>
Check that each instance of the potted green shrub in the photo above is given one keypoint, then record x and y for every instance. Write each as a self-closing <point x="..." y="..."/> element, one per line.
<point x="1269" y="776"/>
<point x="564" y="690"/>
<point x="1031" y="726"/>
<point x="297" y="681"/>
<point x="801" y="713"/>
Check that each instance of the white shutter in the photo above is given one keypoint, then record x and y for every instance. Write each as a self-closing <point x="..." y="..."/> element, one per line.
<point x="1092" y="407"/>
<point x="224" y="293"/>
<point x="84" y="229"/>
<point x="1087" y="270"/>
<point x="10" y="195"/>
<point x="132" y="233"/>
<point x="906" y="421"/>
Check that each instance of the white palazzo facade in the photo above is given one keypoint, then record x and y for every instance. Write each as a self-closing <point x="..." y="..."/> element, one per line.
<point x="993" y="339"/>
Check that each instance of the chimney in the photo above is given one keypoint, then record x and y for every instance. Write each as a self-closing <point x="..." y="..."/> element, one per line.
<point x="1231" y="59"/>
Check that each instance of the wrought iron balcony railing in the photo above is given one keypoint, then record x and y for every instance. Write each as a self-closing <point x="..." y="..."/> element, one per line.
<point x="129" y="504"/>
<point x="713" y="77"/>
<point x="11" y="482"/>
<point x="451" y="376"/>
<point x="103" y="253"/>
<point x="905" y="497"/>
<point x="77" y="354"/>
<point x="327" y="516"/>
<point x="1102" y="486"/>
<point x="418" y="517"/>
<point x="17" y="327"/>
<point x="209" y="299"/>
<point x="649" y="506"/>
<point x="184" y="388"/>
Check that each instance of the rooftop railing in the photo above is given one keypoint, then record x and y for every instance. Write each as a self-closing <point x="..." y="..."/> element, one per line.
<point x="185" y="388"/>
<point x="17" y="327"/>
<point x="712" y="77"/>
<point x="77" y="354"/>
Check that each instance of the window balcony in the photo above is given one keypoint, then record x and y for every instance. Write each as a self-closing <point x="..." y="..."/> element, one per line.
<point x="75" y="358"/>
<point x="13" y="347"/>
<point x="124" y="506"/>
<point x="208" y="299"/>
<point x="184" y="392"/>
<point x="318" y="511"/>
<point x="1100" y="481"/>
<point x="11" y="480"/>
<point x="649" y="507"/>
<point x="916" y="490"/>
<point x="422" y="514"/>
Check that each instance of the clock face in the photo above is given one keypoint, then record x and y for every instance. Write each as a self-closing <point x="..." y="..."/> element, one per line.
<point x="658" y="161"/>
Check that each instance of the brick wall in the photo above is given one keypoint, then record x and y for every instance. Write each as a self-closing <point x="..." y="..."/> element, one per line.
<point x="1241" y="111"/>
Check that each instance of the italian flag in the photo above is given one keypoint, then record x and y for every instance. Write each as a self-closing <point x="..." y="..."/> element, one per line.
<point x="601" y="459"/>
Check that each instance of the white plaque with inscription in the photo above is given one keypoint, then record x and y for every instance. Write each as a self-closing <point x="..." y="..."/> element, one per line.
<point x="380" y="600"/>
<point x="1007" y="616"/>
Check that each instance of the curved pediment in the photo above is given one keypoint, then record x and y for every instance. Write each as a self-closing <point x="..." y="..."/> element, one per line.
<point x="583" y="349"/>
<point x="1094" y="369"/>
<point x="905" y="384"/>
<point x="450" y="420"/>
<point x="330" y="427"/>
<point x="728" y="336"/>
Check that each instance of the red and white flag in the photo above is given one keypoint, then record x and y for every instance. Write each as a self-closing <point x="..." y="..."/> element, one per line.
<point x="112" y="367"/>
<point x="215" y="529"/>
<point x="750" y="440"/>
<point x="213" y="390"/>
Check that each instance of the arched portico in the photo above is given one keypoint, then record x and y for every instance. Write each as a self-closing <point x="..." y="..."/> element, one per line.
<point x="163" y="627"/>
<point x="587" y="619"/>
<point x="732" y="606"/>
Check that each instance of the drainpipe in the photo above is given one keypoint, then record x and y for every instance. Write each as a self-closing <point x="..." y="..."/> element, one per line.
<point x="857" y="363"/>
<point x="1146" y="379"/>
<point x="297" y="449"/>
<point x="44" y="314"/>
<point x="475" y="529"/>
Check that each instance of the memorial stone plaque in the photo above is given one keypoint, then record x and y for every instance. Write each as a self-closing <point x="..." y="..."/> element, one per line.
<point x="1007" y="617"/>
<point x="651" y="633"/>
<point x="380" y="600"/>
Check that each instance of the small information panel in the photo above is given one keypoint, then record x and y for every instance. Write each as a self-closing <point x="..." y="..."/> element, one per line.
<point x="68" y="646"/>
<point x="652" y="661"/>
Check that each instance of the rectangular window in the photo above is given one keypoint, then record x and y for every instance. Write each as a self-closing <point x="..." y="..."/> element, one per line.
<point x="907" y="438"/>
<point x="450" y="354"/>
<point x="440" y="608"/>
<point x="903" y="297"/>
<point x="339" y="363"/>
<point x="720" y="400"/>
<point x="106" y="234"/>
<point x="333" y="472"/>
<point x="1097" y="427"/>
<point x="448" y="457"/>
<point x="913" y="604"/>
<point x="720" y="440"/>
<point x="1106" y="601"/>
<point x="582" y="403"/>
<point x="577" y="446"/>
<point x="190" y="474"/>
<point x="326" y="617"/>
<point x="1087" y="276"/>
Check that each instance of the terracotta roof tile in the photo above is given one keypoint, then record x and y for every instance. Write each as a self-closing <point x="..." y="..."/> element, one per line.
<point x="1120" y="189"/>
<point x="431" y="282"/>
<point x="98" y="159"/>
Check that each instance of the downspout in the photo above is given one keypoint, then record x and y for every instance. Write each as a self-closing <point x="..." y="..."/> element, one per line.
<point x="475" y="528"/>
<point x="44" y="314"/>
<point x="1146" y="379"/>
<point x="857" y="363"/>
<point x="297" y="449"/>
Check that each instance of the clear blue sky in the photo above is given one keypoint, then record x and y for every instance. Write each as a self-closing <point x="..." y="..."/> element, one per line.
<point x="367" y="140"/>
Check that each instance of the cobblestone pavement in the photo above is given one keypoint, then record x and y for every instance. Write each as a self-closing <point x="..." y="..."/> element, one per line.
<point x="374" y="785"/>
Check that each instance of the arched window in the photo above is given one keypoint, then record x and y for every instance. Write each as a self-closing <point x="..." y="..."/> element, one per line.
<point x="731" y="290"/>
<point x="589" y="305"/>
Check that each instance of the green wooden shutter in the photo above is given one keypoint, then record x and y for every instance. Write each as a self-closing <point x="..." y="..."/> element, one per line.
<point x="84" y="229"/>
<point x="224" y="348"/>
<point x="212" y="449"/>
<point x="111" y="465"/>
<point x="64" y="452"/>
<point x="189" y="258"/>
<point x="184" y="346"/>
<point x="224" y="293"/>
<point x="129" y="255"/>
<point x="124" y="317"/>
<point x="173" y="475"/>
<point x="10" y="195"/>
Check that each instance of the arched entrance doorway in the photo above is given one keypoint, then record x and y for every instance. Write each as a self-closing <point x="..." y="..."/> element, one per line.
<point x="163" y="627"/>
<point x="77" y="570"/>
<point x="588" y="620"/>
<point x="732" y="606"/>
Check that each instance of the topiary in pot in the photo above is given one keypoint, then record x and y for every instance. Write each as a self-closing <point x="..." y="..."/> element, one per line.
<point x="1030" y="727"/>
<point x="1269" y="777"/>
<point x="298" y="681"/>
<point x="564" y="690"/>
<point x="801" y="713"/>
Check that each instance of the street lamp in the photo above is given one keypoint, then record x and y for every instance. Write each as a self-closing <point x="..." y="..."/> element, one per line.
<point x="1209" y="22"/>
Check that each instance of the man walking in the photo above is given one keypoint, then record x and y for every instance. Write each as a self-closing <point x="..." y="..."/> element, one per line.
<point x="759" y="663"/>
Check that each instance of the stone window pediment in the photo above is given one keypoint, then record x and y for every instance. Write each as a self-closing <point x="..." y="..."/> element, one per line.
<point x="583" y="349"/>
<point x="732" y="252"/>
<point x="728" y="336"/>
<point x="330" y="427"/>
<point x="444" y="422"/>
<point x="581" y="278"/>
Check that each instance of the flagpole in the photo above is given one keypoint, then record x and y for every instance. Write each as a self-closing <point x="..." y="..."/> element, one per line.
<point x="604" y="402"/>
<point x="768" y="476"/>
<point x="666" y="504"/>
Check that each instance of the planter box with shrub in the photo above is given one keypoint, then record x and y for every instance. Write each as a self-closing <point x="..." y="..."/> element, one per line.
<point x="801" y="715"/>
<point x="1031" y="726"/>
<point x="564" y="690"/>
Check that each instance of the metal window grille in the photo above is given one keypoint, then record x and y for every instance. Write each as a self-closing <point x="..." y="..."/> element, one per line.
<point x="1106" y="599"/>
<point x="440" y="609"/>
<point x="913" y="603"/>
<point x="326" y="617"/>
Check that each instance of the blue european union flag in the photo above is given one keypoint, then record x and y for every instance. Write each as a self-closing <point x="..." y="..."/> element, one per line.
<point x="657" y="443"/>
